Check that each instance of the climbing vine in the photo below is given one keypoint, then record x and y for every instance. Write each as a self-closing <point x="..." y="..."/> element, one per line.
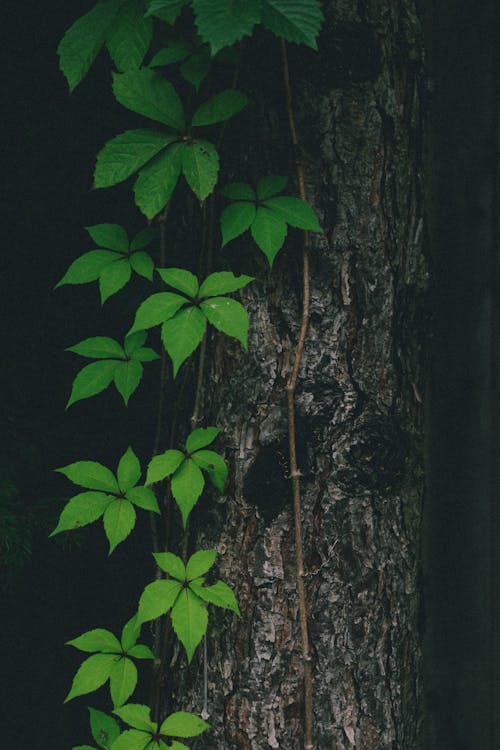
<point x="177" y="149"/>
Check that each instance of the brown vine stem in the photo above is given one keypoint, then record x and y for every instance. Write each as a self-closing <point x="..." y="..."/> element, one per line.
<point x="290" y="395"/>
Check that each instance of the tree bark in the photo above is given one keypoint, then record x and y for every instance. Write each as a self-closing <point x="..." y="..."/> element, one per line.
<point x="358" y="406"/>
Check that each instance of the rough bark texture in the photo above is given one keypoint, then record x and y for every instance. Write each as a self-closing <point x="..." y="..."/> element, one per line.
<point x="358" y="412"/>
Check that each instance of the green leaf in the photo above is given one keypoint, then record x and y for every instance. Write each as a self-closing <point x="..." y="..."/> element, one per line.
<point x="132" y="739"/>
<point x="196" y="68"/>
<point x="133" y="341"/>
<point x="136" y="715"/>
<point x="129" y="38"/>
<point x="171" y="564"/>
<point x="163" y="466"/>
<point x="174" y="51"/>
<point x="141" y="652"/>
<point x="201" y="437"/>
<point x="189" y="620"/>
<point x="157" y="181"/>
<point x="87" y="267"/>
<point x="129" y="470"/>
<point x="143" y="238"/>
<point x="200" y="563"/>
<point x="183" y="724"/>
<point x="81" y="510"/>
<point x="128" y="375"/>
<point x="157" y="598"/>
<point x="156" y="309"/>
<point x="180" y="279"/>
<point x="99" y="347"/>
<point x="175" y="746"/>
<point x="142" y="263"/>
<point x="145" y="354"/>
<point x="227" y="316"/>
<point x="81" y="43"/>
<point x="92" y="673"/>
<point x="295" y="20"/>
<point x="90" y="474"/>
<point x="200" y="166"/>
<point x="146" y="92"/>
<point x="239" y="191"/>
<point x="124" y="154"/>
<point x="110" y="236"/>
<point x="220" y="107"/>
<point x="269" y="232"/>
<point x="130" y="633"/>
<point x="223" y="22"/>
<point x="167" y="10"/>
<point x="269" y="186"/>
<point x="294" y="211"/>
<point x="219" y="594"/>
<point x="122" y="681"/>
<point x="119" y="520"/>
<point x="103" y="727"/>
<point x="214" y="465"/>
<point x="236" y="219"/>
<point x="223" y="282"/>
<point x="187" y="486"/>
<point x="98" y="639"/>
<point x="84" y="747"/>
<point x="113" y="278"/>
<point x="144" y="498"/>
<point x="182" y="334"/>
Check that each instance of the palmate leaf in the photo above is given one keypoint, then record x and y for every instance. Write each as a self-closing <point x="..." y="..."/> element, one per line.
<point x="157" y="181"/>
<point x="93" y="673"/>
<point x="269" y="186"/>
<point x="167" y="10"/>
<point x="132" y="739"/>
<point x="81" y="510"/>
<point x="127" y="377"/>
<point x="129" y="38"/>
<point x="196" y="68"/>
<point x="171" y="564"/>
<point x="91" y="380"/>
<point x="214" y="465"/>
<point x="227" y="316"/>
<point x="142" y="263"/>
<point x="157" y="598"/>
<point x="219" y="594"/>
<point x="223" y="282"/>
<point x="98" y="347"/>
<point x="295" y="212"/>
<point x="143" y="498"/>
<point x="137" y="716"/>
<point x="124" y="154"/>
<point x="97" y="639"/>
<point x="104" y="728"/>
<point x="114" y="277"/>
<point x="141" y="652"/>
<point x="146" y="92"/>
<point x="183" y="724"/>
<point x="236" y="219"/>
<point x="109" y="236"/>
<point x="200" y="166"/>
<point x="87" y="267"/>
<point x="119" y="520"/>
<point x="143" y="239"/>
<point x="187" y="486"/>
<point x="129" y="470"/>
<point x="163" y="466"/>
<point x="92" y="475"/>
<point x="223" y="22"/>
<point x="182" y="334"/>
<point x="201" y="437"/>
<point x="156" y="309"/>
<point x="174" y="51"/>
<point x="269" y="232"/>
<point x="220" y="107"/>
<point x="295" y="20"/>
<point x="130" y="633"/>
<point x="122" y="681"/>
<point x="239" y="191"/>
<point x="190" y="620"/>
<point x="185" y="281"/>
<point x="200" y="563"/>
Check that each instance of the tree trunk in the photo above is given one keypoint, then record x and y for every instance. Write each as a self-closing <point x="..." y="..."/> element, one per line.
<point x="358" y="407"/>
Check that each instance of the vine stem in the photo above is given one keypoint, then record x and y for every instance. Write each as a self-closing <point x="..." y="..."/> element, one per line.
<point x="292" y="443"/>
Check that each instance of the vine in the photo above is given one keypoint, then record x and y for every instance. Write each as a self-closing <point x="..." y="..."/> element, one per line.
<point x="179" y="143"/>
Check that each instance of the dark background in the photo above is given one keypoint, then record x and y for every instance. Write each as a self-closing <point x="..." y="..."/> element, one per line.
<point x="49" y="141"/>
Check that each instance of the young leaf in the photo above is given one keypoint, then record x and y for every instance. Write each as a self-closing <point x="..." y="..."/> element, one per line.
<point x="110" y="236"/>
<point x="187" y="486"/>
<point x="98" y="639"/>
<point x="81" y="510"/>
<point x="200" y="166"/>
<point x="87" y="267"/>
<point x="174" y="51"/>
<point x="227" y="316"/>
<point x="99" y="347"/>
<point x="133" y="341"/>
<point x="143" y="239"/>
<point x="104" y="728"/>
<point x="219" y="594"/>
<point x="200" y="563"/>
<point x="137" y="716"/>
<point x="122" y="681"/>
<point x="219" y="107"/>
<point x="132" y="739"/>
<point x="201" y="437"/>
<point x="183" y="724"/>
<point x="167" y="10"/>
<point x="214" y="465"/>
<point x="129" y="38"/>
<point x="236" y="219"/>
<point x="269" y="232"/>
<point x="239" y="191"/>
<point x="189" y="620"/>
<point x="156" y="309"/>
<point x="294" y="211"/>
<point x="81" y="43"/>
<point x="127" y="376"/>
<point x="157" y="598"/>
<point x="130" y="633"/>
<point x="92" y="475"/>
<point x="171" y="564"/>
<point x="182" y="334"/>
<point x="223" y="282"/>
<point x="142" y="263"/>
<point x="223" y="22"/>
<point x="185" y="281"/>
<point x="144" y="91"/>
<point x="163" y="466"/>
<point x="119" y="520"/>
<point x="144" y="498"/>
<point x="113" y="278"/>
<point x="129" y="470"/>
<point x="157" y="181"/>
<point x="295" y="20"/>
<point x="93" y="673"/>
<point x="269" y="186"/>
<point x="124" y="154"/>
